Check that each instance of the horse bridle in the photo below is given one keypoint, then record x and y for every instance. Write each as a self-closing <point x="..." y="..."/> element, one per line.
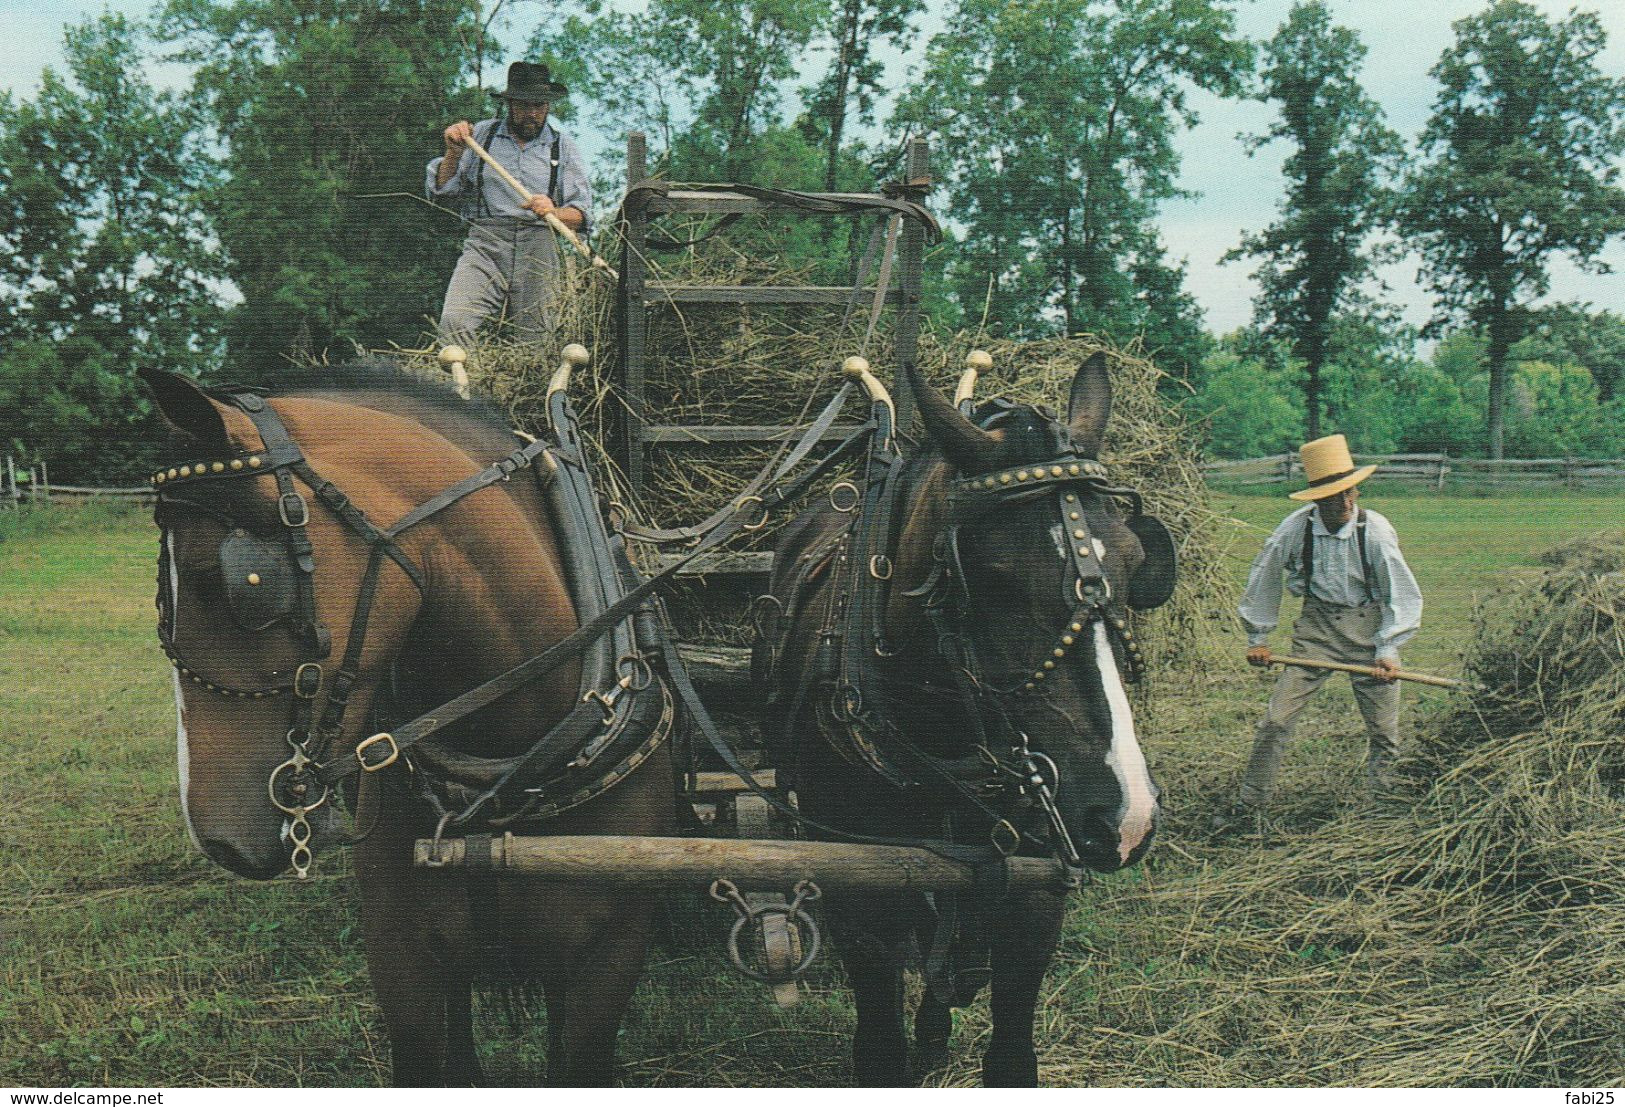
<point x="285" y="579"/>
<point x="945" y="597"/>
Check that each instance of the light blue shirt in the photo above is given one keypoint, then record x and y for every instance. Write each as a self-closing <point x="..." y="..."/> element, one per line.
<point x="531" y="164"/>
<point x="1339" y="577"/>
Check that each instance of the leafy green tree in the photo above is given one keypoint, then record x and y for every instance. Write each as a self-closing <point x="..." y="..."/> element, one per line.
<point x="1314" y="258"/>
<point x="326" y="112"/>
<point x="1593" y="340"/>
<point x="1247" y="409"/>
<point x="852" y="87"/>
<point x="107" y="261"/>
<point x="702" y="77"/>
<point x="1519" y="166"/>
<point x="1055" y="120"/>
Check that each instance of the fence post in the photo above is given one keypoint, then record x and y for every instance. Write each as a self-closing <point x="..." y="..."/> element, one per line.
<point x="45" y="480"/>
<point x="8" y="484"/>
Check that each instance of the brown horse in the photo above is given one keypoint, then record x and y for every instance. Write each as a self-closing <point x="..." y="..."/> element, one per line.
<point x="955" y="671"/>
<point x="470" y="592"/>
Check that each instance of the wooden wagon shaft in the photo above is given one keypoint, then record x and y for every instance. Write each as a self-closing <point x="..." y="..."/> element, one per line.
<point x="1368" y="670"/>
<point x="525" y="197"/>
<point x="639" y="862"/>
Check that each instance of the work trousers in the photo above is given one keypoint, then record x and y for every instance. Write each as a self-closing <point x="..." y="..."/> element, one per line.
<point x="1326" y="632"/>
<point x="508" y="272"/>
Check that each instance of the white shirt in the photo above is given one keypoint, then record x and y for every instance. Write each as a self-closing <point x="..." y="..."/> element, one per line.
<point x="1339" y="577"/>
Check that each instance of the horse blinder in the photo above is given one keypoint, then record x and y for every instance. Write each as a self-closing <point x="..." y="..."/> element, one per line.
<point x="260" y="581"/>
<point x="1153" y="582"/>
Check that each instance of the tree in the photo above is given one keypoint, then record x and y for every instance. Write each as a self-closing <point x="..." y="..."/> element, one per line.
<point x="1314" y="258"/>
<point x="1056" y="120"/>
<point x="851" y="88"/>
<point x="107" y="261"/>
<point x="1519" y="166"/>
<point x="326" y="112"/>
<point x="726" y="58"/>
<point x="1593" y="340"/>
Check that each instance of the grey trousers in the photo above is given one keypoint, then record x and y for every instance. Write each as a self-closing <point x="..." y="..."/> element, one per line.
<point x="507" y="274"/>
<point x="1325" y="632"/>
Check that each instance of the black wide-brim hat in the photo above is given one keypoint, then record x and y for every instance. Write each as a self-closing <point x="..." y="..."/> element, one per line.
<point x="531" y="83"/>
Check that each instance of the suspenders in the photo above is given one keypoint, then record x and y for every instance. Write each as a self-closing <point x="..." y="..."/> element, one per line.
<point x="484" y="209"/>
<point x="1309" y="552"/>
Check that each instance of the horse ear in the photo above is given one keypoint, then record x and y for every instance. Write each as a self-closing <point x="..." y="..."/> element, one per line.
<point x="969" y="447"/>
<point x="1090" y="405"/>
<point x="186" y="406"/>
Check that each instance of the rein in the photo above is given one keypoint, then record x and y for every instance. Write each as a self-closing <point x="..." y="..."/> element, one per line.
<point x="303" y="782"/>
<point x="988" y="784"/>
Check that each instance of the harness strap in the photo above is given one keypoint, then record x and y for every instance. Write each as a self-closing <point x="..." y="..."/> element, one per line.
<point x="773" y="471"/>
<point x="414" y="731"/>
<point x="975" y="855"/>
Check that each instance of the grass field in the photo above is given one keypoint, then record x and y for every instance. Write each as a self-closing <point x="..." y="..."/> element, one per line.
<point x="126" y="959"/>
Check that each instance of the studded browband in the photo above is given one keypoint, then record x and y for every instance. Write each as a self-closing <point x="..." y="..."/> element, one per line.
<point x="1062" y="469"/>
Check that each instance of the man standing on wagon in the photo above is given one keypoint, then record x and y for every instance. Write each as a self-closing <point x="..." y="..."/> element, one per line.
<point x="1360" y="605"/>
<point x="510" y="261"/>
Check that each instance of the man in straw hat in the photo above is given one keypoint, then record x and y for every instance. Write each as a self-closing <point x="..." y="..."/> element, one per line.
<point x="1360" y="605"/>
<point x="510" y="259"/>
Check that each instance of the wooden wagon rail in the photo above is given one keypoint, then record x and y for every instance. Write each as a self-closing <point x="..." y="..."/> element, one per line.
<point x="693" y="863"/>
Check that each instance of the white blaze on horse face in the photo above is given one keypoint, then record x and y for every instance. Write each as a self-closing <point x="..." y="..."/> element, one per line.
<point x="1139" y="809"/>
<point x="183" y="758"/>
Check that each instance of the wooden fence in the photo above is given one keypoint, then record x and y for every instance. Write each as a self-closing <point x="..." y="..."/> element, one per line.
<point x="33" y="485"/>
<point x="1440" y="472"/>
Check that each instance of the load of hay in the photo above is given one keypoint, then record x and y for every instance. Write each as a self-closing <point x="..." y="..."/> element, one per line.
<point x="1470" y="933"/>
<point x="755" y="365"/>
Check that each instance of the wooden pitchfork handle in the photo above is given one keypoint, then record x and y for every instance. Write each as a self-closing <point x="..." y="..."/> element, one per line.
<point x="1368" y="670"/>
<point x="525" y="197"/>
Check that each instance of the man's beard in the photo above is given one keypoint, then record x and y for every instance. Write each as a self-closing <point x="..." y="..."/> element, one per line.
<point x="527" y="130"/>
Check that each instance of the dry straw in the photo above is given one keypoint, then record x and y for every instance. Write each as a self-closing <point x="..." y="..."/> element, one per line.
<point x="1467" y="932"/>
<point x="755" y="365"/>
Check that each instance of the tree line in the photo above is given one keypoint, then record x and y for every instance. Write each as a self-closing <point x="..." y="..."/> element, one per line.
<point x="268" y="210"/>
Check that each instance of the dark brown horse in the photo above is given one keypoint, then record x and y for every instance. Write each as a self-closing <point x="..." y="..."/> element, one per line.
<point x="476" y="589"/>
<point x="960" y="675"/>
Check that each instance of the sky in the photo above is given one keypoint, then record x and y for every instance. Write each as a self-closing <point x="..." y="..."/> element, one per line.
<point x="1235" y="193"/>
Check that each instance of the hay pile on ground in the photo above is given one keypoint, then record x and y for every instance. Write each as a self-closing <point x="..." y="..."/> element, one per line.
<point x="1472" y="934"/>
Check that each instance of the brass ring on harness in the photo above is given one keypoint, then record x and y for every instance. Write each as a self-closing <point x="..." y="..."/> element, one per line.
<point x="877" y="563"/>
<point x="639" y="667"/>
<point x="852" y="506"/>
<point x="296" y="764"/>
<point x="739" y="505"/>
<point x="1005" y="838"/>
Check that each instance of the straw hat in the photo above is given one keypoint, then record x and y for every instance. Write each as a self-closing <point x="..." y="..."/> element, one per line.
<point x="1329" y="467"/>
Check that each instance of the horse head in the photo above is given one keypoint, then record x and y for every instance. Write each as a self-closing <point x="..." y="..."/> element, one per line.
<point x="1019" y="542"/>
<point x="257" y="599"/>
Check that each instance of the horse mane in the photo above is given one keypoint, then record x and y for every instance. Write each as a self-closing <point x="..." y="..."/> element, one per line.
<point x="476" y="424"/>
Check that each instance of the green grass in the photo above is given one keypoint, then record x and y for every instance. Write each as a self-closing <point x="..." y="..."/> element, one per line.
<point x="127" y="959"/>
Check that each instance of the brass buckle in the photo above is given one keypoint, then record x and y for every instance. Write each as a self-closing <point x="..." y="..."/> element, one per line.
<point x="366" y="744"/>
<point x="299" y="677"/>
<point x="303" y="512"/>
<point x="1005" y="838"/>
<point x="880" y="567"/>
